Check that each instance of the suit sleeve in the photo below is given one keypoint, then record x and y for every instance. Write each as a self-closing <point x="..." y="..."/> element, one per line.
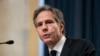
<point x="89" y="49"/>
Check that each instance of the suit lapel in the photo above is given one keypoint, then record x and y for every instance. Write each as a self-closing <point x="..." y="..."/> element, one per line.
<point x="66" y="47"/>
<point x="46" y="51"/>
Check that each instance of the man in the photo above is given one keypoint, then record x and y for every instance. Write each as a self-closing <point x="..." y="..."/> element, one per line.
<point x="49" y="23"/>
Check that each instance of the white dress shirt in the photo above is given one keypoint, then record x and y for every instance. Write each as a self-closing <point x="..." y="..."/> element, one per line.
<point x="58" y="47"/>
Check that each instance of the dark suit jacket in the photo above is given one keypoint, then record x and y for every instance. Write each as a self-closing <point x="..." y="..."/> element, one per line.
<point x="77" y="47"/>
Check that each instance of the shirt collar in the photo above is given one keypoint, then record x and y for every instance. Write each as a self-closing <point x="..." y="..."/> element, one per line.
<point x="58" y="47"/>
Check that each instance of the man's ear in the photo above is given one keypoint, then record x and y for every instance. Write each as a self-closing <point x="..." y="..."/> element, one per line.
<point x="61" y="27"/>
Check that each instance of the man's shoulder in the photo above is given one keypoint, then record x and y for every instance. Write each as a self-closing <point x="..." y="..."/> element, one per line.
<point x="79" y="47"/>
<point x="80" y="42"/>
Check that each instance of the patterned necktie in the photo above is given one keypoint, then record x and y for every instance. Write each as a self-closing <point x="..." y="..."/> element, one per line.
<point x="53" y="53"/>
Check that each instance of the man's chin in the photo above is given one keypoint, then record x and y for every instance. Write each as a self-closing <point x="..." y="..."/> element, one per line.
<point x="47" y="41"/>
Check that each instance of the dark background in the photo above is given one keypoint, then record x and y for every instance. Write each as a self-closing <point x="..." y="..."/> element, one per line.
<point x="82" y="19"/>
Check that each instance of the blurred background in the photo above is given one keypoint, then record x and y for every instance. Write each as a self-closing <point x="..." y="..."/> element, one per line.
<point x="16" y="24"/>
<point x="82" y="20"/>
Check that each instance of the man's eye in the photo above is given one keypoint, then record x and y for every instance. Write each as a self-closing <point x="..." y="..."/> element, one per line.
<point x="49" y="21"/>
<point x="39" y="24"/>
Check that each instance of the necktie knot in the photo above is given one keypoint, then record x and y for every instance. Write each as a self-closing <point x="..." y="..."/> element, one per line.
<point x="53" y="53"/>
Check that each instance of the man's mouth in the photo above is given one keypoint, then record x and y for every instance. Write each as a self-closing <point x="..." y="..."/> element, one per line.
<point x="46" y="35"/>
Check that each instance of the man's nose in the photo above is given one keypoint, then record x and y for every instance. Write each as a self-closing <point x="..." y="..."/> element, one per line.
<point x="44" y="28"/>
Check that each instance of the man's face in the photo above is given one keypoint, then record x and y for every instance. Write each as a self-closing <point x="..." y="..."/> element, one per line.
<point x="48" y="29"/>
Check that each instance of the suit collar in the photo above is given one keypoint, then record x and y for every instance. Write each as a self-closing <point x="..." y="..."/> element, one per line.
<point x="66" y="47"/>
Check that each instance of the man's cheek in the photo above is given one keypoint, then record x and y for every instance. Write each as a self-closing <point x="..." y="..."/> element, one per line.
<point x="51" y="27"/>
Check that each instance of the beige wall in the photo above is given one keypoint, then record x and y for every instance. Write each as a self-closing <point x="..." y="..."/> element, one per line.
<point x="13" y="26"/>
<point x="33" y="40"/>
<point x="16" y="24"/>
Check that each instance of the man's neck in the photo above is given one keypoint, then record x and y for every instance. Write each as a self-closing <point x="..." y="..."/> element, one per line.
<point x="52" y="45"/>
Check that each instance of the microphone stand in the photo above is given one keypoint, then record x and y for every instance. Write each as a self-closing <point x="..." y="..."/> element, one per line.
<point x="8" y="42"/>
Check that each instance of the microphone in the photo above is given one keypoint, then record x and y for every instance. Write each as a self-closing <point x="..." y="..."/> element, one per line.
<point x="8" y="42"/>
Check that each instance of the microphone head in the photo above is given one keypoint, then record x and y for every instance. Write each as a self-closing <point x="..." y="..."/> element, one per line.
<point x="10" y="42"/>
